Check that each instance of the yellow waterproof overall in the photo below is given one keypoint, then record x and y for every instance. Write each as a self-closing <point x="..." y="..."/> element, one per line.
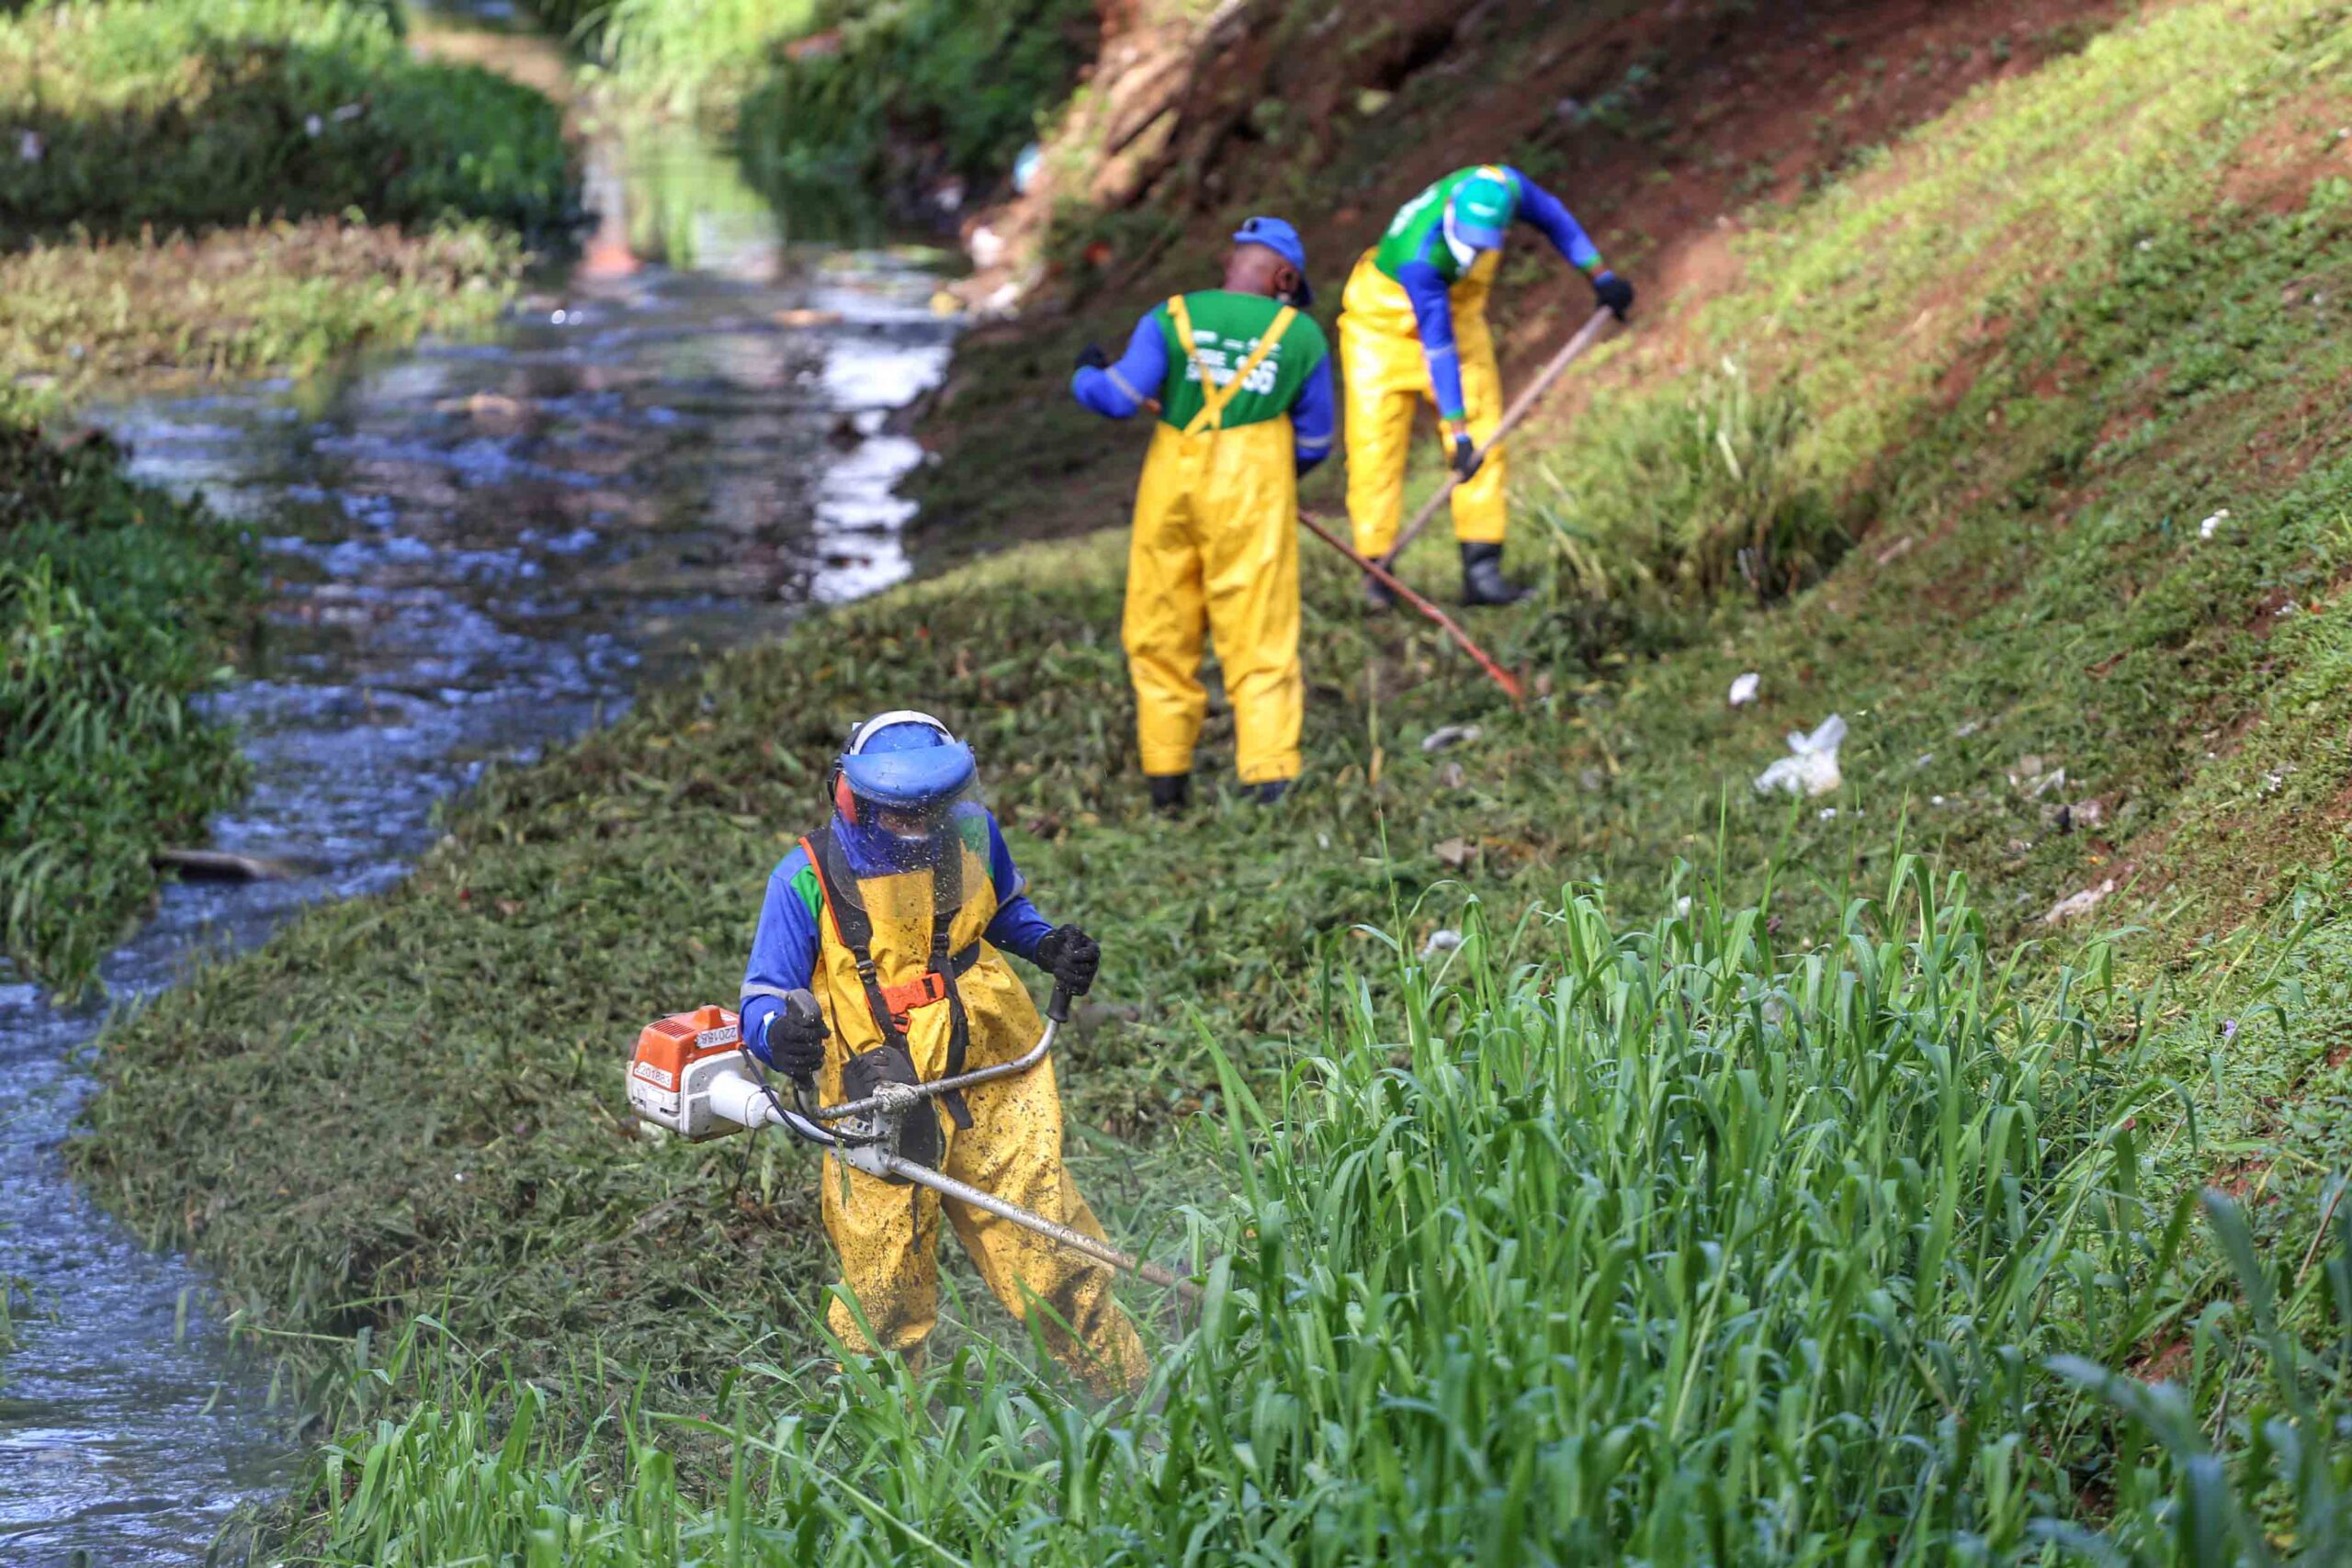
<point x="1386" y="378"/>
<point x="888" y="1235"/>
<point x="1216" y="551"/>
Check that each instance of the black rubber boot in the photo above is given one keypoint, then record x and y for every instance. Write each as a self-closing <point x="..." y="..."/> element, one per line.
<point x="1170" y="793"/>
<point x="1482" y="577"/>
<point x="1378" y="597"/>
<point x="1272" y="790"/>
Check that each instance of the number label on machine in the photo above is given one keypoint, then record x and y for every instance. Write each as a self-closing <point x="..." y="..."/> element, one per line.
<point x="678" y="1059"/>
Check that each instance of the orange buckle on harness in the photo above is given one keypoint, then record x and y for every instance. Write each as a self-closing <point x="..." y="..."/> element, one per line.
<point x="920" y="991"/>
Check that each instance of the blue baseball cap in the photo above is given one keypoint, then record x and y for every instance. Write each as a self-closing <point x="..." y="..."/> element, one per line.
<point x="1280" y="236"/>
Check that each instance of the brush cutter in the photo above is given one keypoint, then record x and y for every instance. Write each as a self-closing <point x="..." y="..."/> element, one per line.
<point x="692" y="1076"/>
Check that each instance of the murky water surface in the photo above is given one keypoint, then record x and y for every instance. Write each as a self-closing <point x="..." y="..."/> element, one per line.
<point x="479" y="550"/>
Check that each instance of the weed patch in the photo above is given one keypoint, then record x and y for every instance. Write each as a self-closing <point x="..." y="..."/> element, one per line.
<point x="116" y="605"/>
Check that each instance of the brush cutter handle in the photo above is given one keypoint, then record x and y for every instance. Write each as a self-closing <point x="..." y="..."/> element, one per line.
<point x="932" y="1089"/>
<point x="1058" y="1007"/>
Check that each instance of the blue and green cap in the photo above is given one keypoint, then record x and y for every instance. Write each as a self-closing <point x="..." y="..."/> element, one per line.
<point x="1481" y="211"/>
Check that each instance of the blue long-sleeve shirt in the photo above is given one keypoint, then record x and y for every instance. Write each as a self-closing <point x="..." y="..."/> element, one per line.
<point x="1120" y="390"/>
<point x="1430" y="291"/>
<point x="783" y="948"/>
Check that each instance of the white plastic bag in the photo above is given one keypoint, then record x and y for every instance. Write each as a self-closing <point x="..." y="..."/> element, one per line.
<point x="1811" y="767"/>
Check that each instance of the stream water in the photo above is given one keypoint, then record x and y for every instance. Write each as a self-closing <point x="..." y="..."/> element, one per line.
<point x="478" y="550"/>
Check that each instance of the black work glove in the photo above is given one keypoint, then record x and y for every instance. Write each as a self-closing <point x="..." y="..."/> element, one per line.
<point x="1466" y="459"/>
<point x="1091" y="357"/>
<point x="1613" y="293"/>
<point x="1071" y="957"/>
<point x="795" y="1038"/>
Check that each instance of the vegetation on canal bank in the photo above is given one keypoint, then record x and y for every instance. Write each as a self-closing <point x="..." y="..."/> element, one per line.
<point x="892" y="96"/>
<point x="190" y="113"/>
<point x="188" y="190"/>
<point x="1859" y="1184"/>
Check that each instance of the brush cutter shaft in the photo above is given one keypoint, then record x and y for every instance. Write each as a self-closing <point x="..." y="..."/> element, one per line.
<point x="1076" y="1240"/>
<point x="932" y="1088"/>
<point x="735" y="1095"/>
<point x="738" y="1099"/>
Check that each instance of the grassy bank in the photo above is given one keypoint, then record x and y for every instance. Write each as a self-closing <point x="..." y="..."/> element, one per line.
<point x="1597" y="1244"/>
<point x="176" y="114"/>
<point x="192" y="191"/>
<point x="2068" y="558"/>
<point x="118" y="605"/>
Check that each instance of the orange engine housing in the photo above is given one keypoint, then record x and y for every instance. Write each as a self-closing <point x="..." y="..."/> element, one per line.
<point x="676" y="1059"/>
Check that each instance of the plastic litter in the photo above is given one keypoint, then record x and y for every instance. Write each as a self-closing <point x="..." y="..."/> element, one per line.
<point x="2212" y="526"/>
<point x="1441" y="942"/>
<point x="1743" y="690"/>
<point x="2077" y="905"/>
<point x="1811" y="767"/>
<point x="1447" y="735"/>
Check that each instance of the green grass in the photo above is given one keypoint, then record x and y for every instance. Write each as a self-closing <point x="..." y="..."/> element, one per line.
<point x="885" y="97"/>
<point x="2027" y="594"/>
<point x="184" y="114"/>
<point x="116" y="605"/>
<point x="699" y="57"/>
<point x="275" y="298"/>
<point x="1603" y="1244"/>
<point x="919" y="89"/>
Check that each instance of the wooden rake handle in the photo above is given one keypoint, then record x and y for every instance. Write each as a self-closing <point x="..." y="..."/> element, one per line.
<point x="1575" y="349"/>
<point x="1379" y="572"/>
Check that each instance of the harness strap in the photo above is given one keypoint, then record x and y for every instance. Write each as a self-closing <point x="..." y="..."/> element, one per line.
<point x="1215" y="398"/>
<point x="892" y="1005"/>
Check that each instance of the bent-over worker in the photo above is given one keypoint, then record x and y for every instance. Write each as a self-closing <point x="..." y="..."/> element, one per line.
<point x="1240" y="379"/>
<point x="896" y="915"/>
<point x="1413" y="326"/>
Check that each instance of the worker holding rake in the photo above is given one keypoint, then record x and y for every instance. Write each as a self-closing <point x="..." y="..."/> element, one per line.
<point x="897" y="916"/>
<point x="1241" y="381"/>
<point x="1413" y="327"/>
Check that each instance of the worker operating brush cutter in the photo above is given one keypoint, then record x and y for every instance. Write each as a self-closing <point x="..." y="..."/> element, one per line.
<point x="1240" y="379"/>
<point x="1413" y="326"/>
<point x="896" y="915"/>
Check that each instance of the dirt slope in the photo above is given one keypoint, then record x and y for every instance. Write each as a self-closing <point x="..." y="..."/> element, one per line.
<point x="1655" y="123"/>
